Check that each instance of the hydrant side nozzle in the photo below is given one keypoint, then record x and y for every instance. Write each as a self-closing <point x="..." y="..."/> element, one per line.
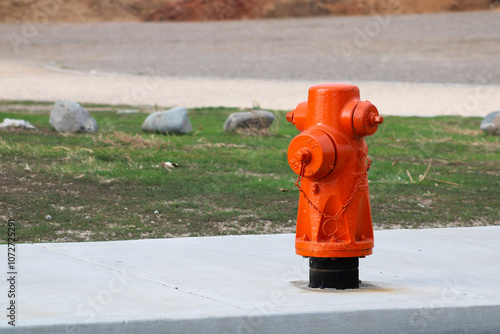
<point x="299" y="116"/>
<point x="289" y="116"/>
<point x="347" y="115"/>
<point x="314" y="148"/>
<point x="365" y="119"/>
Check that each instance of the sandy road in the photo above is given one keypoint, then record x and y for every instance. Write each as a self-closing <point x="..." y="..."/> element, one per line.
<point x="408" y="64"/>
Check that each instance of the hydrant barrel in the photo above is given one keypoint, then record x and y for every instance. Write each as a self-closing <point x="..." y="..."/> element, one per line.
<point x="330" y="157"/>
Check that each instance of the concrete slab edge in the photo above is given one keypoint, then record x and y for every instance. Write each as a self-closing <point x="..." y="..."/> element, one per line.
<point x="474" y="319"/>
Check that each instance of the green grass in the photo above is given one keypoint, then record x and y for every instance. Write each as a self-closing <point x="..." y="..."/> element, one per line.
<point x="109" y="185"/>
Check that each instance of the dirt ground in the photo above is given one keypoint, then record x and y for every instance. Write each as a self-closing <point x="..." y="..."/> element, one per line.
<point x="41" y="11"/>
<point x="38" y="11"/>
<point x="204" y="10"/>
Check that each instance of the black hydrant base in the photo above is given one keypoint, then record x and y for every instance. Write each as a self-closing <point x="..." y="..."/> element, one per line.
<point x="339" y="273"/>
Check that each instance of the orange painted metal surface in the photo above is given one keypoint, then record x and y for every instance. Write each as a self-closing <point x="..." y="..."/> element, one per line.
<point x="330" y="158"/>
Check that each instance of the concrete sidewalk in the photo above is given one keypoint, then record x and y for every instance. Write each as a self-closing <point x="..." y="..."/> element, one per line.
<point x="417" y="281"/>
<point x="24" y="81"/>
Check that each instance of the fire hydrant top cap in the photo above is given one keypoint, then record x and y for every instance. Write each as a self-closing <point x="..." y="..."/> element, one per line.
<point x="334" y="85"/>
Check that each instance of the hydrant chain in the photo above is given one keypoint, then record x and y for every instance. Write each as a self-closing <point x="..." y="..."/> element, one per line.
<point x="356" y="187"/>
<point x="297" y="183"/>
<point x="343" y="207"/>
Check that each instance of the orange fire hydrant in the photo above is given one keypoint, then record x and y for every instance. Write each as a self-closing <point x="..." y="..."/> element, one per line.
<point x="334" y="224"/>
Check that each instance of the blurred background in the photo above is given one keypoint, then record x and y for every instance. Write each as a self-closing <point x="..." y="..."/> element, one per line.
<point x="295" y="42"/>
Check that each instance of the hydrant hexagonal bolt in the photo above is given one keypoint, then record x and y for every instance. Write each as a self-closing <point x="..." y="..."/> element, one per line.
<point x="303" y="155"/>
<point x="334" y="224"/>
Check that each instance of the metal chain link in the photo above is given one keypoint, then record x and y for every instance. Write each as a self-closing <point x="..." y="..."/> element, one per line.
<point x="343" y="207"/>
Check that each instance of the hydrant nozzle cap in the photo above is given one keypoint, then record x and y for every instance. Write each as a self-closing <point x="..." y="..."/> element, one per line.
<point x="289" y="116"/>
<point x="366" y="119"/>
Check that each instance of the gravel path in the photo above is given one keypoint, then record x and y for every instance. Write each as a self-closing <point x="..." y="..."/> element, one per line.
<point x="444" y="48"/>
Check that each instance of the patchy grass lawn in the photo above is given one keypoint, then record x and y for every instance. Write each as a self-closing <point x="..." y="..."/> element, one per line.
<point x="110" y="185"/>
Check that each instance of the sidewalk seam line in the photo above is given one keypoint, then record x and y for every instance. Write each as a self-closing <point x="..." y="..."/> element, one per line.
<point x="137" y="276"/>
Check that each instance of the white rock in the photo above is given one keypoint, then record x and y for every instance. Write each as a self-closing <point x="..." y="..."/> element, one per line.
<point x="173" y="121"/>
<point x="255" y="119"/>
<point x="491" y="123"/>
<point x="16" y="123"/>
<point x="68" y="116"/>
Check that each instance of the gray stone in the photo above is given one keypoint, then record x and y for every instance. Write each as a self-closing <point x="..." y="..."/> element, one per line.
<point x="255" y="119"/>
<point x="68" y="116"/>
<point x="173" y="121"/>
<point x="491" y="123"/>
<point x="16" y="123"/>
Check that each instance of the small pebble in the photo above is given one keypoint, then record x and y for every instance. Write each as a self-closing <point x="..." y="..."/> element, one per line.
<point x="48" y="217"/>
